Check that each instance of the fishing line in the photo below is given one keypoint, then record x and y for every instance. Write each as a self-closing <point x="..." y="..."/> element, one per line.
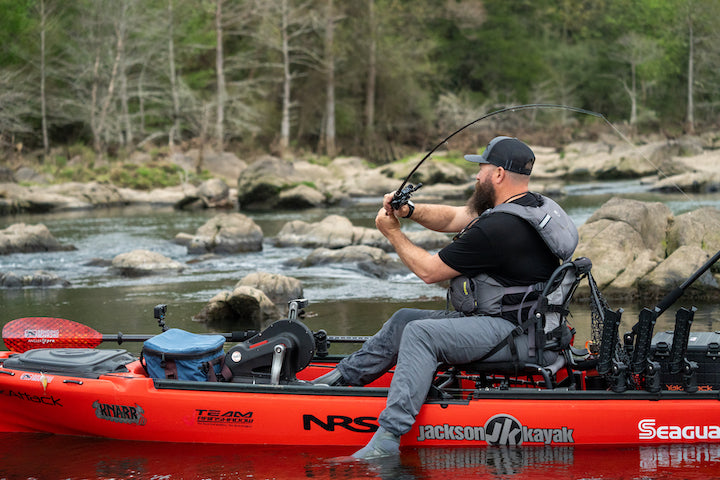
<point x="644" y="157"/>
<point x="402" y="195"/>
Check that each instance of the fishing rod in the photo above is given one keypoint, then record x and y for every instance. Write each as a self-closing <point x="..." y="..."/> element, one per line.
<point x="403" y="194"/>
<point x="642" y="331"/>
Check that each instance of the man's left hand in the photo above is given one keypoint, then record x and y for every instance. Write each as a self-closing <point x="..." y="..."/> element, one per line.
<point x="386" y="222"/>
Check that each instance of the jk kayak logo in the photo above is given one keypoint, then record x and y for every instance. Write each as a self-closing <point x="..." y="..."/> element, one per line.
<point x="500" y="429"/>
<point x="503" y="430"/>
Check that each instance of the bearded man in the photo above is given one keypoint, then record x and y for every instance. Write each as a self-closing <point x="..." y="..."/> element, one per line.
<point x="509" y="240"/>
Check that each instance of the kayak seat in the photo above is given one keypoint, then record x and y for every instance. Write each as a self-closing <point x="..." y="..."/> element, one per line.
<point x="552" y="308"/>
<point x="515" y="373"/>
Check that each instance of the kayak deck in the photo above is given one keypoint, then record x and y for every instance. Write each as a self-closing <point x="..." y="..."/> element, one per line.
<point x="130" y="405"/>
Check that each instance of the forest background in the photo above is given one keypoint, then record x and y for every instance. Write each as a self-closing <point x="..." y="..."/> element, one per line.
<point x="101" y="79"/>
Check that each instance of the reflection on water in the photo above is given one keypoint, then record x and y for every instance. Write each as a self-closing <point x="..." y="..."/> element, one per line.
<point x="26" y="456"/>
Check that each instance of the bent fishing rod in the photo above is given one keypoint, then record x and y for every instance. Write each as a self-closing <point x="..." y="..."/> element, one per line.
<point x="403" y="194"/>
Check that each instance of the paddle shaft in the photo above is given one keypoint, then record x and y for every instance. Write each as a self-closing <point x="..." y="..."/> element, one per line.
<point x="24" y="334"/>
<point x="239" y="336"/>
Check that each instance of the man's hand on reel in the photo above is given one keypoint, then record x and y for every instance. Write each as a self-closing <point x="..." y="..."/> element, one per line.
<point x="396" y="201"/>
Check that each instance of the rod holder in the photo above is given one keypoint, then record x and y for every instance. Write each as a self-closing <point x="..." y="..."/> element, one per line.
<point x="642" y="331"/>
<point x="608" y="341"/>
<point x="681" y="337"/>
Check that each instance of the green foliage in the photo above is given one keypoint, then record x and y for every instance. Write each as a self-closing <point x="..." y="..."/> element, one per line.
<point x="458" y="159"/>
<point x="485" y="53"/>
<point x="295" y="184"/>
<point x="146" y="177"/>
<point x="15" y="22"/>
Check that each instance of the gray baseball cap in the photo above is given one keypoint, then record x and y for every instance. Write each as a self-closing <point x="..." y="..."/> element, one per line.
<point x="508" y="153"/>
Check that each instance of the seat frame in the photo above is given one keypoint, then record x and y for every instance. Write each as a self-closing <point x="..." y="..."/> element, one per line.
<point x="486" y="374"/>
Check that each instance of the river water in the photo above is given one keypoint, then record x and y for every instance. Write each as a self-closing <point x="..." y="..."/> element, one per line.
<point x="343" y="301"/>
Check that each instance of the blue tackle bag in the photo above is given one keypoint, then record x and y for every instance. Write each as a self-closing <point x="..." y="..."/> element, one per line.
<point x="180" y="355"/>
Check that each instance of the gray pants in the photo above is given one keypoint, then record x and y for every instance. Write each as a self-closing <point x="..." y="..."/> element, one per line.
<point x="415" y="341"/>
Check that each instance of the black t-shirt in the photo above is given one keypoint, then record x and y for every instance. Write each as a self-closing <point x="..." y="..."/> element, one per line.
<point x="505" y="247"/>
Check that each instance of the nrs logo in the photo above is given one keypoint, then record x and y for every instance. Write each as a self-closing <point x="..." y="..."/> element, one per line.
<point x="648" y="431"/>
<point x="357" y="424"/>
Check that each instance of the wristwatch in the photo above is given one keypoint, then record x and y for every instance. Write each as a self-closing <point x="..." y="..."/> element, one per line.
<point x="412" y="209"/>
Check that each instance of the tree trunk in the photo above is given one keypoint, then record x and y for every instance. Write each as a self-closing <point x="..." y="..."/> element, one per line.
<point x="141" y="100"/>
<point x="94" y="103"/>
<point x="119" y="47"/>
<point x="127" y="136"/>
<point x="371" y="146"/>
<point x="285" y="121"/>
<point x="220" y="120"/>
<point x="203" y="137"/>
<point x="174" y="130"/>
<point x="371" y="77"/>
<point x="43" y="100"/>
<point x="330" y="94"/>
<point x="690" y="119"/>
<point x="633" y="97"/>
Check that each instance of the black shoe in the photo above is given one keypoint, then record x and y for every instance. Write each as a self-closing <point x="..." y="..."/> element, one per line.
<point x="332" y="379"/>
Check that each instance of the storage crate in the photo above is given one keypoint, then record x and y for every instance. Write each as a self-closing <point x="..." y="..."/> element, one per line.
<point x="703" y="349"/>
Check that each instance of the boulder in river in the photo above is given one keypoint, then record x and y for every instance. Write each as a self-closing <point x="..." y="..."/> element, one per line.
<point x="227" y="233"/>
<point x="699" y="227"/>
<point x="639" y="250"/>
<point x="336" y="231"/>
<point x="300" y="197"/>
<point x="23" y="238"/>
<point x="279" y="288"/>
<point x="144" y="262"/>
<point x="243" y="307"/>
<point x="674" y="270"/>
<point x="263" y="180"/>
<point x="40" y="279"/>
<point x="370" y="260"/>
<point x="213" y="193"/>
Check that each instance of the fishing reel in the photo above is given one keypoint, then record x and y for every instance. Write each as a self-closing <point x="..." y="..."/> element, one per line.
<point x="402" y="197"/>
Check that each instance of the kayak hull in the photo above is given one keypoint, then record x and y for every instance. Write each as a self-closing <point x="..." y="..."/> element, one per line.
<point x="131" y="406"/>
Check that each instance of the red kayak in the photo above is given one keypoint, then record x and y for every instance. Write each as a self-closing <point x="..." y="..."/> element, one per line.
<point x="262" y="395"/>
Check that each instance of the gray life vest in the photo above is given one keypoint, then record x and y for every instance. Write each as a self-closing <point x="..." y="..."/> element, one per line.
<point x="483" y="295"/>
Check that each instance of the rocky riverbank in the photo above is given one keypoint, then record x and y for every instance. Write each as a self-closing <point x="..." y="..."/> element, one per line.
<point x="690" y="164"/>
<point x="638" y="249"/>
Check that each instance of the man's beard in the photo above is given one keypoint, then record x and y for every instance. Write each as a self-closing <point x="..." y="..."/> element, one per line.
<point x="482" y="198"/>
